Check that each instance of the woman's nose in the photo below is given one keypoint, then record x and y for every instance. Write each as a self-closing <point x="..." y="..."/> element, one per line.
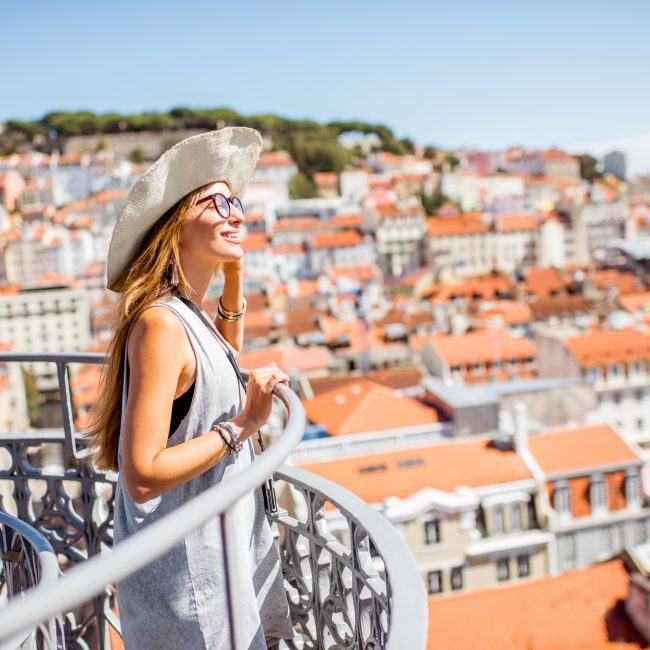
<point x="236" y="215"/>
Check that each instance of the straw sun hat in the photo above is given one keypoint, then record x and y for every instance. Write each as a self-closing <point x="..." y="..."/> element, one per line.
<point x="228" y="155"/>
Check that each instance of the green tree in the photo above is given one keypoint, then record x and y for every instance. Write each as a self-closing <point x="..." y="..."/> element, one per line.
<point x="32" y="397"/>
<point x="588" y="169"/>
<point x="302" y="186"/>
<point x="136" y="155"/>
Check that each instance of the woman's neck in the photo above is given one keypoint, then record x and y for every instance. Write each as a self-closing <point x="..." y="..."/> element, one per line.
<point x="197" y="275"/>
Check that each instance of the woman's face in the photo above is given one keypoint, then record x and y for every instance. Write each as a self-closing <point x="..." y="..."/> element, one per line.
<point x="206" y="234"/>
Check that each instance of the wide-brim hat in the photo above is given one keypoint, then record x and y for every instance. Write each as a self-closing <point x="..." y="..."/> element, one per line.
<point x="228" y="155"/>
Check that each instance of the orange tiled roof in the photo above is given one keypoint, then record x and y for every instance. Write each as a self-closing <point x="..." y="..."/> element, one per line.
<point x="516" y="222"/>
<point x="635" y="301"/>
<point x="599" y="348"/>
<point x="512" y="312"/>
<point x="288" y="358"/>
<point x="472" y="223"/>
<point x="481" y="346"/>
<point x="299" y="223"/>
<point x="339" y="239"/>
<point x="580" y="448"/>
<point x="577" y="610"/>
<point x="361" y="405"/>
<point x="326" y="179"/>
<point x="274" y="159"/>
<point x="346" y="221"/>
<point x="444" y="466"/>
<point x="255" y="241"/>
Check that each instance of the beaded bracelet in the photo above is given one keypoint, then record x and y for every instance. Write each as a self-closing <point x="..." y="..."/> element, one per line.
<point x="229" y="437"/>
<point x="224" y="314"/>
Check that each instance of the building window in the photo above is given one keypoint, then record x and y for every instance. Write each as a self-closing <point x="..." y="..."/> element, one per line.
<point x="515" y="518"/>
<point x="523" y="566"/>
<point x="434" y="582"/>
<point x="503" y="569"/>
<point x="605" y="542"/>
<point x="598" y="495"/>
<point x="567" y="551"/>
<point x="617" y="398"/>
<point x="632" y="489"/>
<point x="457" y="578"/>
<point x="432" y="532"/>
<point x="639" y="395"/>
<point x="640" y="533"/>
<point x="640" y="424"/>
<point x="497" y="520"/>
<point x="562" y="499"/>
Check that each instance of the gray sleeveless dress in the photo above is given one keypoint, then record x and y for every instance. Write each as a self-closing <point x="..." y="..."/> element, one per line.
<point x="180" y="601"/>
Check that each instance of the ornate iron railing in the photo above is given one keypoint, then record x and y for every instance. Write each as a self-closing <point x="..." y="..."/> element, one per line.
<point x="28" y="560"/>
<point x="359" y="590"/>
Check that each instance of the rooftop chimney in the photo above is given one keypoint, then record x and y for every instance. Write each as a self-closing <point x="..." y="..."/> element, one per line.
<point x="521" y="427"/>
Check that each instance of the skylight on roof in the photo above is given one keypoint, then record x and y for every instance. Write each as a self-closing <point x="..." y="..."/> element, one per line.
<point x="372" y="468"/>
<point x="409" y="462"/>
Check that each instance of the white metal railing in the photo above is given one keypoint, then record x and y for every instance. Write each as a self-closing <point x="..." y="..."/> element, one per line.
<point x="367" y="608"/>
<point x="367" y="443"/>
<point x="28" y="560"/>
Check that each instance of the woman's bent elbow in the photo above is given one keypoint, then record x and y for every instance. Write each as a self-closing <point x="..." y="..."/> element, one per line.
<point x="139" y="491"/>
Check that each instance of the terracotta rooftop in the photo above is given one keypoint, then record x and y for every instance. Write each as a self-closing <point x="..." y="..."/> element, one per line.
<point x="480" y="346"/>
<point x="341" y="239"/>
<point x="288" y="358"/>
<point x="577" y="610"/>
<point x="635" y="301"/>
<point x="580" y="448"/>
<point x="472" y="223"/>
<point x="599" y="348"/>
<point x="543" y="308"/>
<point x="255" y="241"/>
<point x="512" y="312"/>
<point x="403" y="472"/>
<point x="361" y="405"/>
<point x="395" y="378"/>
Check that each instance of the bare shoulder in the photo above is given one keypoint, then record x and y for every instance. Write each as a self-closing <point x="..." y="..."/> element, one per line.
<point x="159" y="337"/>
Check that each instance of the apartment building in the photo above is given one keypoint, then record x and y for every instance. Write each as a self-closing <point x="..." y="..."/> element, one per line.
<point x="596" y="502"/>
<point x="480" y="243"/>
<point x="478" y="192"/>
<point x="467" y="509"/>
<point x="55" y="319"/>
<point x="617" y="362"/>
<point x="399" y="231"/>
<point x="478" y="356"/>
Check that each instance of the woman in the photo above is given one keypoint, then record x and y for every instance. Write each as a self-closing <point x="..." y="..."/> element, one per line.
<point x="186" y="423"/>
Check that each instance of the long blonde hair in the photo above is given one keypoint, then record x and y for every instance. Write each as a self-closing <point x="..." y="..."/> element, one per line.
<point x="155" y="272"/>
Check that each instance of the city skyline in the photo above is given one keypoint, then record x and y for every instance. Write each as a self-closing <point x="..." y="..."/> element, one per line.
<point x="462" y="76"/>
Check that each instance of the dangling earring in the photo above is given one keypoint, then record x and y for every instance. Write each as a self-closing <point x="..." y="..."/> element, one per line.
<point x="173" y="274"/>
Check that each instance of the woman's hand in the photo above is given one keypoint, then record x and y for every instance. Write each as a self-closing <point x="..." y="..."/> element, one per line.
<point x="259" y="397"/>
<point x="233" y="268"/>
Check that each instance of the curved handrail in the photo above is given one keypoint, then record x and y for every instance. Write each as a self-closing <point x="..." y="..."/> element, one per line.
<point x="90" y="578"/>
<point x="49" y="569"/>
<point x="408" y="599"/>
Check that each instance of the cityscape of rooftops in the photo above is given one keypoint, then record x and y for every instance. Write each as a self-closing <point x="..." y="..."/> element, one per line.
<point x="453" y="269"/>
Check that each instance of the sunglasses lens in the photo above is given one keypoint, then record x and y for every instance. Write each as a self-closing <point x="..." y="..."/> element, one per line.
<point x="222" y="205"/>
<point x="237" y="203"/>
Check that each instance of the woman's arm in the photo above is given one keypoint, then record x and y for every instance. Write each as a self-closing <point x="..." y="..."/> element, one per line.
<point x="232" y="300"/>
<point x="161" y="360"/>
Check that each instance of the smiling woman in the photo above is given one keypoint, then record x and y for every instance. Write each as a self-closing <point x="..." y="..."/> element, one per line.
<point x="186" y="418"/>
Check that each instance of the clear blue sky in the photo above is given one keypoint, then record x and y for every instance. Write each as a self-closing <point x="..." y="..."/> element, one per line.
<point x="484" y="73"/>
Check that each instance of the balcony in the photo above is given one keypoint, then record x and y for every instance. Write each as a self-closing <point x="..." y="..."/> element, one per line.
<point x="358" y="588"/>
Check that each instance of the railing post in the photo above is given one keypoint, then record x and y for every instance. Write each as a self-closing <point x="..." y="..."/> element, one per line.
<point x="233" y="578"/>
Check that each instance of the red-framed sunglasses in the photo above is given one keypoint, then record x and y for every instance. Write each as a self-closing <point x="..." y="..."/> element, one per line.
<point x="222" y="204"/>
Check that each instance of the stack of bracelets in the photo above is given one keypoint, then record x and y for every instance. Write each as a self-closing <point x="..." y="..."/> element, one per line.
<point x="229" y="436"/>
<point x="224" y="314"/>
